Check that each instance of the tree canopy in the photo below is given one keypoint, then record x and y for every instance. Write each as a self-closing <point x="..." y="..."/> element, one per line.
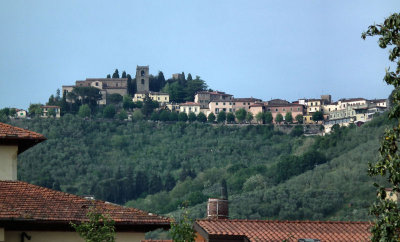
<point x="386" y="211"/>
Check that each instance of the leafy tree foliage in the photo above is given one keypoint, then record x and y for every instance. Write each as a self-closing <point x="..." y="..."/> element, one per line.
<point x="114" y="98"/>
<point x="123" y="75"/>
<point x="182" y="117"/>
<point x="127" y="102"/>
<point x="131" y="85"/>
<point x="201" y="117"/>
<point x="288" y="117"/>
<point x="221" y="117"/>
<point x="115" y="74"/>
<point x="230" y="117"/>
<point x="164" y="115"/>
<point x="109" y="111"/>
<point x="317" y="116"/>
<point x="35" y="110"/>
<point x="211" y="118"/>
<point x="122" y="115"/>
<point x="148" y="105"/>
<point x="299" y="118"/>
<point x="278" y="118"/>
<point x="249" y="117"/>
<point x="123" y="162"/>
<point x="268" y="117"/>
<point x="241" y="115"/>
<point x="173" y="116"/>
<point x="182" y="228"/>
<point x="99" y="228"/>
<point x="192" y="117"/>
<point x="387" y="212"/>
<point x="84" y="111"/>
<point x="137" y="115"/>
<point x="260" y="117"/>
<point x="85" y="95"/>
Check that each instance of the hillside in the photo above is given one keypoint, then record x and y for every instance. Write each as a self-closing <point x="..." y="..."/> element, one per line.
<point x="157" y="166"/>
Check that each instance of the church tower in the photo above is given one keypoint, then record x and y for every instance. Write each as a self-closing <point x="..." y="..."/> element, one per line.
<point x="142" y="78"/>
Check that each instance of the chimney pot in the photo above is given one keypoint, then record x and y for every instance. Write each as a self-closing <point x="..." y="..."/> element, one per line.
<point x="217" y="208"/>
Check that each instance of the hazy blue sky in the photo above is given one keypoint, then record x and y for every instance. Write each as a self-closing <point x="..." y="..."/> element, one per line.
<point x="265" y="49"/>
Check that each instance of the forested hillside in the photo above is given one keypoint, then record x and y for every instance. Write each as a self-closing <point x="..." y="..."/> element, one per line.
<point x="157" y="166"/>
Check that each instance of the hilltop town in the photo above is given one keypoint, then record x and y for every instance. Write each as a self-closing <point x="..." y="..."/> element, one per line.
<point x="187" y="99"/>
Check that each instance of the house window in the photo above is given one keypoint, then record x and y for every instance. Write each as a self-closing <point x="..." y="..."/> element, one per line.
<point x="248" y="103"/>
<point x="165" y="98"/>
<point x="116" y="84"/>
<point x="244" y="103"/>
<point x="276" y="110"/>
<point x="268" y="109"/>
<point x="283" y="109"/>
<point x="298" y="109"/>
<point x="223" y="104"/>
<point x="97" y="84"/>
<point x="158" y="98"/>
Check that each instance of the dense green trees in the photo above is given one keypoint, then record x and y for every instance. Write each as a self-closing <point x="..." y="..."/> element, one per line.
<point x="278" y="118"/>
<point x="109" y="111"/>
<point x="156" y="166"/>
<point x="318" y="116"/>
<point x="114" y="98"/>
<point x="288" y="117"/>
<point x="182" y="117"/>
<point x="299" y="118"/>
<point x="201" y="117"/>
<point x="230" y="118"/>
<point x="385" y="211"/>
<point x="192" y="117"/>
<point x="241" y="115"/>
<point x="221" y="117"/>
<point x="211" y="118"/>
<point x="84" y="111"/>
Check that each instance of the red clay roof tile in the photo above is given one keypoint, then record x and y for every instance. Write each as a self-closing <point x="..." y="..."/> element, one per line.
<point x="24" y="201"/>
<point x="267" y="230"/>
<point x="8" y="131"/>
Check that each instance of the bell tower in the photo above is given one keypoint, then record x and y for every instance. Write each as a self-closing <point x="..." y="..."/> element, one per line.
<point x="142" y="79"/>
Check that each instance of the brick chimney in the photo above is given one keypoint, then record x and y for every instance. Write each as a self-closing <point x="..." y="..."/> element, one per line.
<point x="217" y="208"/>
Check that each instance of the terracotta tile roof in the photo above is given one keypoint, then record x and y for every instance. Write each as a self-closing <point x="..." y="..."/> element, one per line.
<point x="267" y="230"/>
<point x="190" y="104"/>
<point x="250" y="99"/>
<point x="11" y="132"/>
<point x="24" y="202"/>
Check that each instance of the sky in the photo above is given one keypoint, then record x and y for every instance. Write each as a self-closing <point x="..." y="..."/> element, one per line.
<point x="264" y="49"/>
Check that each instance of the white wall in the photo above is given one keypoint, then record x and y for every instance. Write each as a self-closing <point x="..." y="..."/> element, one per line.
<point x="8" y="162"/>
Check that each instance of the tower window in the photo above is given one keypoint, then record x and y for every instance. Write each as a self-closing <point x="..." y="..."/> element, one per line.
<point x="143" y="81"/>
<point x="142" y="73"/>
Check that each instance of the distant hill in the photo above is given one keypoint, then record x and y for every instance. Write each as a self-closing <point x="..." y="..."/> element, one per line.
<point x="157" y="166"/>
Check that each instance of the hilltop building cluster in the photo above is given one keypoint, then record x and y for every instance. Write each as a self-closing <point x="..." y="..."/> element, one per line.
<point x="323" y="110"/>
<point x="341" y="112"/>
